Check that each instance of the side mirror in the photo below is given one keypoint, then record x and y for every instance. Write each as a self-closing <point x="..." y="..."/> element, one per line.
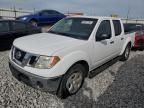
<point x="102" y="37"/>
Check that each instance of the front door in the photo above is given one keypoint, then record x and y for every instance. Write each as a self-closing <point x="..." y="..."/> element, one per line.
<point x="103" y="49"/>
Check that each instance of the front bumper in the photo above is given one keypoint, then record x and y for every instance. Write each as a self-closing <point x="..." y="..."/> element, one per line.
<point x="38" y="82"/>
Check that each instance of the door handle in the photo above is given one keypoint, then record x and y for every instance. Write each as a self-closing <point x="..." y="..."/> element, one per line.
<point x="122" y="38"/>
<point x="112" y="42"/>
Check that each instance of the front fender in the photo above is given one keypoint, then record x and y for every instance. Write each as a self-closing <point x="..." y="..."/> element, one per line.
<point x="67" y="61"/>
<point x="75" y="57"/>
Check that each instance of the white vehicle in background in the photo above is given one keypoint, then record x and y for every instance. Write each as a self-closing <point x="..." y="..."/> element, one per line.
<point x="61" y="59"/>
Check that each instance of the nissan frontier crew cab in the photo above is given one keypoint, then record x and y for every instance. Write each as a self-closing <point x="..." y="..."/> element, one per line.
<point x="61" y="59"/>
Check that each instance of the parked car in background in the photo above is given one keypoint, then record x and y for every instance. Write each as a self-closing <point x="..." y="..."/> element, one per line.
<point x="42" y="17"/>
<point x="11" y="29"/>
<point x="68" y="53"/>
<point x="138" y="37"/>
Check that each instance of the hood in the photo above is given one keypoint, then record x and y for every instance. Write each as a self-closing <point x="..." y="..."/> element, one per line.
<point x="45" y="43"/>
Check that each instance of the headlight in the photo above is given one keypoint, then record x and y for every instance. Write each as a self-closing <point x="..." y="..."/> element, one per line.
<point x="24" y="18"/>
<point x="45" y="62"/>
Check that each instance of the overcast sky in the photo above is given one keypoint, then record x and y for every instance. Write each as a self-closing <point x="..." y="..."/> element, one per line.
<point x="88" y="7"/>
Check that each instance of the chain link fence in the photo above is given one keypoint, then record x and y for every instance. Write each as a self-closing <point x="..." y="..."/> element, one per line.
<point x="133" y="21"/>
<point x="12" y="13"/>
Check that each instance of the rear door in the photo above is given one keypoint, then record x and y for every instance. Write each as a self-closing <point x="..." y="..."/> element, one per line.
<point x="56" y="16"/>
<point x="119" y="36"/>
<point x="46" y="17"/>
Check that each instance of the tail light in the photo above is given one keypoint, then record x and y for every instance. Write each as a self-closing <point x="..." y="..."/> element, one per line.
<point x="137" y="36"/>
<point x="139" y="39"/>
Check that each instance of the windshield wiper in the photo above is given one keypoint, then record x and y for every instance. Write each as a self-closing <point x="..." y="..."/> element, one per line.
<point x="67" y="35"/>
<point x="54" y="32"/>
<point x="60" y="33"/>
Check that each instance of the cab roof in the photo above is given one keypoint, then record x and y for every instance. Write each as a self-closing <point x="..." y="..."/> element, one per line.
<point x="95" y="17"/>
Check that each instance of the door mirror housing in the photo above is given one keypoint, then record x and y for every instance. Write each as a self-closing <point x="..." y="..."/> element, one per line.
<point x="102" y="37"/>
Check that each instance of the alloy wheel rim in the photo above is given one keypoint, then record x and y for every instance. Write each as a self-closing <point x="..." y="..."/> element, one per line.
<point x="34" y="23"/>
<point x="74" y="82"/>
<point x="127" y="52"/>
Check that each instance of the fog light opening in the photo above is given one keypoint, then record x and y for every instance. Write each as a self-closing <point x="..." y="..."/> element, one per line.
<point x="39" y="84"/>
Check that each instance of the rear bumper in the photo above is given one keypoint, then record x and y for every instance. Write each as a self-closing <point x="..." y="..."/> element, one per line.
<point x="139" y="43"/>
<point x="38" y="82"/>
<point x="137" y="46"/>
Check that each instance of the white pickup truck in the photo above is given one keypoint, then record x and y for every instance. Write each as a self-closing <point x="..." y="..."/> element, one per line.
<point x="61" y="59"/>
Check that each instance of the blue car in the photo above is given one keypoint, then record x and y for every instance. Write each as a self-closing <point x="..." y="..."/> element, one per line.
<point x="42" y="17"/>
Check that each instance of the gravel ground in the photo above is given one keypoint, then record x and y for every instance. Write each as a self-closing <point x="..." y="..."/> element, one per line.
<point x="119" y="86"/>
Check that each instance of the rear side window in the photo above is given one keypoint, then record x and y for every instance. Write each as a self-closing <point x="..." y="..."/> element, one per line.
<point x="4" y="26"/>
<point x="117" y="27"/>
<point x="104" y="28"/>
<point x="53" y="12"/>
<point x="18" y="26"/>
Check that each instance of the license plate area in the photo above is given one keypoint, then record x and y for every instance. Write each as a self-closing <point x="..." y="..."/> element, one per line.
<point x="24" y="78"/>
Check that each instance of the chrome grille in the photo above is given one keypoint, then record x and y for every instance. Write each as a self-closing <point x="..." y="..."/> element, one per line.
<point x="19" y="55"/>
<point x="23" y="58"/>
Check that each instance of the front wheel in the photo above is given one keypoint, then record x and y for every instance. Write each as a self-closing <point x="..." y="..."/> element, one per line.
<point x="34" y="23"/>
<point x="72" y="81"/>
<point x="126" y="53"/>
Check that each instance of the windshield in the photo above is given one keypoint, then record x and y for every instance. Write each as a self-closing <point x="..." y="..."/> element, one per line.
<point x="79" y="28"/>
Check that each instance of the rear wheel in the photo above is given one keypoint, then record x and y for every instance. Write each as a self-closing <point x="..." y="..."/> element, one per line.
<point x="72" y="81"/>
<point x="126" y="53"/>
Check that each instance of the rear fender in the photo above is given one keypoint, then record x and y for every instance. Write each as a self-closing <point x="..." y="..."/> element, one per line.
<point x="127" y="41"/>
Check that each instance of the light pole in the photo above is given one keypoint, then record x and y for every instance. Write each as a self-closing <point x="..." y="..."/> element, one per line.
<point x="128" y="12"/>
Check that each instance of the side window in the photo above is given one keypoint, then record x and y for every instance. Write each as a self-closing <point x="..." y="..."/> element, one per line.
<point x="104" y="28"/>
<point x="18" y="26"/>
<point x="4" y="26"/>
<point x="45" y="13"/>
<point x="117" y="27"/>
<point x="49" y="12"/>
<point x="53" y="12"/>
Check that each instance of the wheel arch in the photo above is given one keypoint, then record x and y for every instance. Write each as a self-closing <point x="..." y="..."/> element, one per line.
<point x="33" y="19"/>
<point x="128" y="42"/>
<point x="84" y="64"/>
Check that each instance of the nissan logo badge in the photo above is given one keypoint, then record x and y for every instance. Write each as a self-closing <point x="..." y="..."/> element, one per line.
<point x="18" y="55"/>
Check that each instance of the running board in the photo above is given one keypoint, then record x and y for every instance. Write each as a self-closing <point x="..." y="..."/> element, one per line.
<point x="98" y="70"/>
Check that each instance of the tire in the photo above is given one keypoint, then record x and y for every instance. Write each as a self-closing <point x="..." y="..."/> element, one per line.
<point x="72" y="81"/>
<point x="126" y="53"/>
<point x="34" y="23"/>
